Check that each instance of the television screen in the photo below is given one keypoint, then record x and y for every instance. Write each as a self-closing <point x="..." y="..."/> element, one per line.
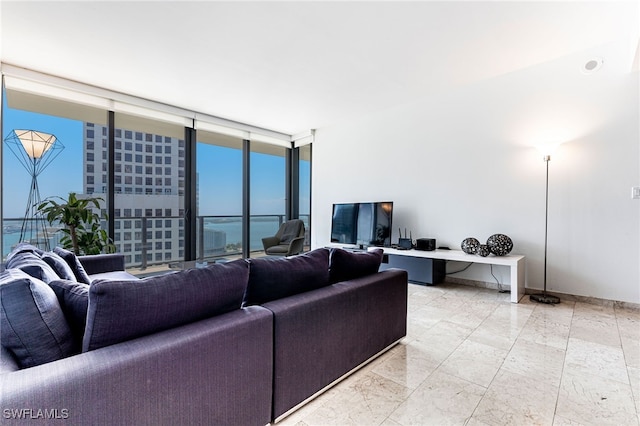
<point x="343" y="223"/>
<point x="362" y="224"/>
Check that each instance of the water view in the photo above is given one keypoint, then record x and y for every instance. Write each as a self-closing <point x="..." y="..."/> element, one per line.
<point x="227" y="231"/>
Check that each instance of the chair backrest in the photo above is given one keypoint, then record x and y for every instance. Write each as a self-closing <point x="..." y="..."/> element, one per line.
<point x="289" y="230"/>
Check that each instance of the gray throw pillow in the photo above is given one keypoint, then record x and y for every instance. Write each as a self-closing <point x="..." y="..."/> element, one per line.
<point x="74" y="301"/>
<point x="33" y="265"/>
<point x="32" y="325"/>
<point x="59" y="265"/>
<point x="271" y="279"/>
<point x="24" y="247"/>
<point x="346" y="265"/>
<point x="75" y="265"/>
<point x="123" y="310"/>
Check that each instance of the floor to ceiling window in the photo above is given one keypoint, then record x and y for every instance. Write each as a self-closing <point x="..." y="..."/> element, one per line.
<point x="62" y="168"/>
<point x="149" y="187"/>
<point x="218" y="196"/>
<point x="268" y="189"/>
<point x="175" y="188"/>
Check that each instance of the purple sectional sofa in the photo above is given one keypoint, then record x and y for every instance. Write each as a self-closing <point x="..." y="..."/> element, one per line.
<point x="238" y="343"/>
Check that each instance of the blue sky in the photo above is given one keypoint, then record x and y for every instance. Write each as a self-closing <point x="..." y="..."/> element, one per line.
<point x="219" y="170"/>
<point x="62" y="176"/>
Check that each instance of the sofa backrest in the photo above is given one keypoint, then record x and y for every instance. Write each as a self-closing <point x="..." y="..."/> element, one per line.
<point x="123" y="310"/>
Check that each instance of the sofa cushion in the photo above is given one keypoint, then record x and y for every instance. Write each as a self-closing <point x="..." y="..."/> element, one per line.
<point x="120" y="310"/>
<point x="271" y="279"/>
<point x="33" y="265"/>
<point x="24" y="247"/>
<point x="58" y="264"/>
<point x="74" y="264"/>
<point x="32" y="325"/>
<point x="74" y="301"/>
<point x="346" y="265"/>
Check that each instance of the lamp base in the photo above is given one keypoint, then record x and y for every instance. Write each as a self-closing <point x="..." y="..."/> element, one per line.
<point x="544" y="298"/>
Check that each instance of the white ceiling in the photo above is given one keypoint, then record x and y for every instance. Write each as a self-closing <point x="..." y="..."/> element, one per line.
<point x="294" y="66"/>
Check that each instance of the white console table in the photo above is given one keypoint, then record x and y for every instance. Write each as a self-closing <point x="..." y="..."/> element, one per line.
<point x="515" y="262"/>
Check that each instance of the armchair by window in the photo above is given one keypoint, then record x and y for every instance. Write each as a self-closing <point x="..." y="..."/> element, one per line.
<point x="289" y="239"/>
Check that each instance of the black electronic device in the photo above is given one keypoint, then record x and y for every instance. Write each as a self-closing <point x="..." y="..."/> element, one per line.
<point x="362" y="224"/>
<point x="404" y="243"/>
<point x="426" y="244"/>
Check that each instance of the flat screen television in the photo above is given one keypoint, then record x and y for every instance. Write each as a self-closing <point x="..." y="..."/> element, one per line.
<point x="362" y="224"/>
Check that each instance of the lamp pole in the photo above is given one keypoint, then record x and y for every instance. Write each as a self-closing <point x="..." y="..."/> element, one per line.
<point x="544" y="297"/>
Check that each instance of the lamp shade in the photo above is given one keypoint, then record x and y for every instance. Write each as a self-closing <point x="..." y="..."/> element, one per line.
<point x="35" y="143"/>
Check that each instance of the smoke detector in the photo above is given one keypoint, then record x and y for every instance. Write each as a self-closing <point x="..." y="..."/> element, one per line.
<point x="591" y="66"/>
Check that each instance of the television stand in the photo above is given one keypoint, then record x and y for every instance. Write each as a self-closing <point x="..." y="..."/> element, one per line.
<point x="429" y="265"/>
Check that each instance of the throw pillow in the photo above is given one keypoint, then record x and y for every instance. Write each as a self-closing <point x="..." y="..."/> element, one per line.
<point x="22" y="247"/>
<point x="74" y="264"/>
<point x="32" y="325"/>
<point x="122" y="310"/>
<point x="271" y="279"/>
<point x="346" y="265"/>
<point x="58" y="264"/>
<point x="33" y="265"/>
<point x="74" y="301"/>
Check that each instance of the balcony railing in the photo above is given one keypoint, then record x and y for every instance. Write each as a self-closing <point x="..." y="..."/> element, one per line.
<point x="152" y="242"/>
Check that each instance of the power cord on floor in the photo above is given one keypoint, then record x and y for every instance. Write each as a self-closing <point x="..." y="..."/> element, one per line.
<point x="500" y="288"/>
<point x="461" y="270"/>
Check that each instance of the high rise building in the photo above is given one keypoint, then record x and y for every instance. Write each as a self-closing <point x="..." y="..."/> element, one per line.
<point x="149" y="191"/>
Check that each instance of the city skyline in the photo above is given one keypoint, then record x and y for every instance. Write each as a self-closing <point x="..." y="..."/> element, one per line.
<point x="221" y="167"/>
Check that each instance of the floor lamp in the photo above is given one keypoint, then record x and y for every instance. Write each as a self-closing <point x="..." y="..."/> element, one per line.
<point x="35" y="151"/>
<point x="544" y="297"/>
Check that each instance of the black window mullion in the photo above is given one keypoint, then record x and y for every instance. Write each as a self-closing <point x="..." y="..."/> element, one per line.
<point x="293" y="183"/>
<point x="111" y="158"/>
<point x="190" y="205"/>
<point x="246" y="200"/>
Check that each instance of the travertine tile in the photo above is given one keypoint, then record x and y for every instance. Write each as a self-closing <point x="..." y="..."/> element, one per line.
<point x="628" y="323"/>
<point x="516" y="399"/>
<point x="472" y="316"/>
<point x="546" y="331"/>
<point x="592" y="400"/>
<point x="410" y="365"/>
<point x="631" y="349"/>
<point x="485" y="334"/>
<point x="442" y="399"/>
<point x="599" y="328"/>
<point x="442" y="339"/>
<point x="594" y="359"/>
<point x="475" y="362"/>
<point x="368" y="401"/>
<point x="634" y="378"/>
<point x="529" y="359"/>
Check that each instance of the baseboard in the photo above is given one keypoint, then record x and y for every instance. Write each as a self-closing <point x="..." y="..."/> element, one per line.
<point x="563" y="296"/>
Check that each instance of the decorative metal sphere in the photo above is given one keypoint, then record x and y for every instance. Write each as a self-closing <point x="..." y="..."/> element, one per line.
<point x="483" y="250"/>
<point x="470" y="245"/>
<point x="500" y="244"/>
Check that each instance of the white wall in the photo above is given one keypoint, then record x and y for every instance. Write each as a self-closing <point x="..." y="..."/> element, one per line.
<point x="462" y="163"/>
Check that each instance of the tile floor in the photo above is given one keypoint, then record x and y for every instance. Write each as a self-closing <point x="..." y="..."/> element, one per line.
<point x="473" y="358"/>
